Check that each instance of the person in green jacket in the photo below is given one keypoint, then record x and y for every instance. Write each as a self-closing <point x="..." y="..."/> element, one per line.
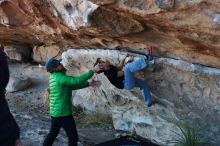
<point x="61" y="87"/>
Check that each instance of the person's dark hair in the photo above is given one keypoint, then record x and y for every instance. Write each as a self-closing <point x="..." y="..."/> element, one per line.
<point x="97" y="62"/>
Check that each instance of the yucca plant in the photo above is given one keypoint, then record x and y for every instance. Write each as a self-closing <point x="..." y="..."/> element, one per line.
<point x="189" y="137"/>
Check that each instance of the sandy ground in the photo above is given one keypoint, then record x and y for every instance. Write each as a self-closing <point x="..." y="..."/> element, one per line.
<point x="33" y="118"/>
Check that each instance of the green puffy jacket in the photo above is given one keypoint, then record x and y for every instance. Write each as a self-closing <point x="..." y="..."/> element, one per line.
<point x="61" y="87"/>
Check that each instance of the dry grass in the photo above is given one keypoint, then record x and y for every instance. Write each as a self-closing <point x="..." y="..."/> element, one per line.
<point x="97" y="119"/>
<point x="92" y="119"/>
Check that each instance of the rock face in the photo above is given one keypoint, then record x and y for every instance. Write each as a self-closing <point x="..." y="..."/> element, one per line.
<point x="188" y="30"/>
<point x="17" y="83"/>
<point x="19" y="53"/>
<point x="185" y="36"/>
<point x="42" y="53"/>
<point x="188" y="94"/>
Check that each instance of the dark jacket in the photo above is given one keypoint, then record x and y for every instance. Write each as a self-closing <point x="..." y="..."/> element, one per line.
<point x="111" y="74"/>
<point x="8" y="126"/>
<point x="4" y="72"/>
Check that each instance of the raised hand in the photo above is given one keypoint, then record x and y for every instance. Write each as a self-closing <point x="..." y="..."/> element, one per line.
<point x="129" y="59"/>
<point x="97" y="68"/>
<point x="125" y="56"/>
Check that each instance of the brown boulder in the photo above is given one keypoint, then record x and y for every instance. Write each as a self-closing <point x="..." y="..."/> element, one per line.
<point x="42" y="53"/>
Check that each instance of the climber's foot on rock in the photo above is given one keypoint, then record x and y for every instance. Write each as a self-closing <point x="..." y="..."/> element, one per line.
<point x="154" y="101"/>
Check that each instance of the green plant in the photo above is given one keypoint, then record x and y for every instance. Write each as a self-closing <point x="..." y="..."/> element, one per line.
<point x="189" y="137"/>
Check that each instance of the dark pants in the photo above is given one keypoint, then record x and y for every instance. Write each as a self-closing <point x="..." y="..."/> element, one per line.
<point x="68" y="124"/>
<point x="9" y="130"/>
<point x="8" y="142"/>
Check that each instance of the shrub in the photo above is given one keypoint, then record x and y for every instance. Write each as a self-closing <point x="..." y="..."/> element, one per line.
<point x="189" y="137"/>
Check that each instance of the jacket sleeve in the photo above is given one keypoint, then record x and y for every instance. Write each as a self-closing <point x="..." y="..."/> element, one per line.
<point x="81" y="86"/>
<point x="76" y="82"/>
<point x="1" y="78"/>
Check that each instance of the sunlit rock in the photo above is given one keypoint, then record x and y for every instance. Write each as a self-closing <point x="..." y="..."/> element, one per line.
<point x="43" y="53"/>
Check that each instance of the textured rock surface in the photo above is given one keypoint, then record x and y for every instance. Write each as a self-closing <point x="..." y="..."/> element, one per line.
<point x="42" y="53"/>
<point x="188" y="30"/>
<point x="19" y="53"/>
<point x="17" y="83"/>
<point x="183" y="33"/>
<point x="188" y="93"/>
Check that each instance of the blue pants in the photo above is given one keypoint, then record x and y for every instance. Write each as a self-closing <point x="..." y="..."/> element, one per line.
<point x="130" y="81"/>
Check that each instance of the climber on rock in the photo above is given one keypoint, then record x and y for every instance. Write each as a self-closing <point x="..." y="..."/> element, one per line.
<point x="122" y="75"/>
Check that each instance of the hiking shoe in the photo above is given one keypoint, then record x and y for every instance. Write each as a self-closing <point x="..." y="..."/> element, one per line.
<point x="154" y="101"/>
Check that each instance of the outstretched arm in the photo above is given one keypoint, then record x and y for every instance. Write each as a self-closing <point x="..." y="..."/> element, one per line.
<point x="75" y="82"/>
<point x="81" y="86"/>
<point x="93" y="83"/>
